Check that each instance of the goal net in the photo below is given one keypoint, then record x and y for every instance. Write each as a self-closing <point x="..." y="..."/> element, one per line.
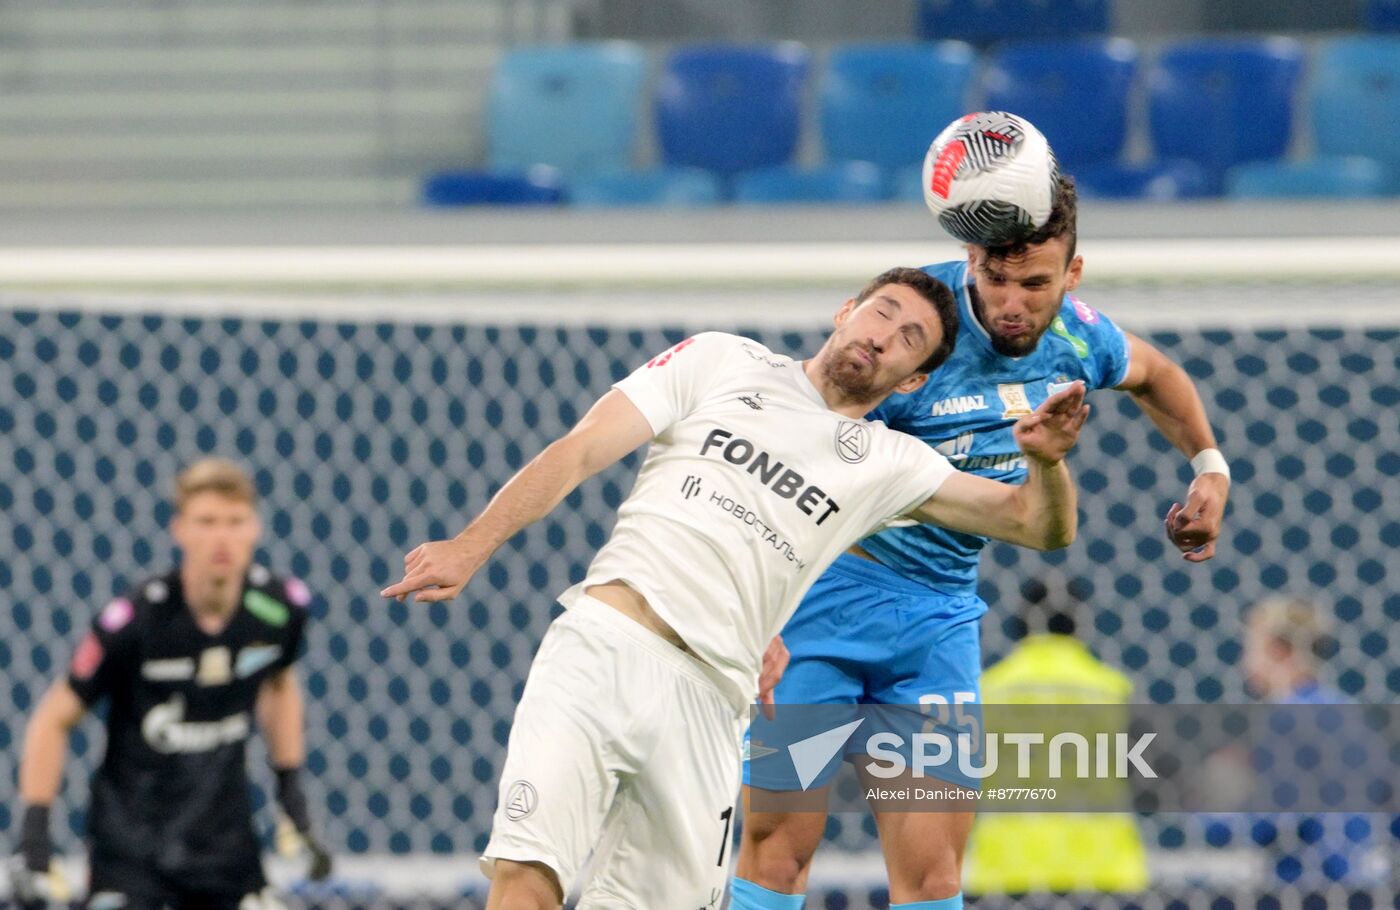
<point x="381" y="408"/>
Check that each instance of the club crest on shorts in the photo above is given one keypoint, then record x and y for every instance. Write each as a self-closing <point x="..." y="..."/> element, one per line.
<point x="521" y="800"/>
<point x="852" y="442"/>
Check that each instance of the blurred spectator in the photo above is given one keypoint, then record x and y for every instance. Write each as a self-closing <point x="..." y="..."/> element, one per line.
<point x="1284" y="639"/>
<point x="1285" y="642"/>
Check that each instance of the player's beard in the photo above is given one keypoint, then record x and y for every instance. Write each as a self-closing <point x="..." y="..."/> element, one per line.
<point x="851" y="376"/>
<point x="1007" y="345"/>
<point x="1018" y="346"/>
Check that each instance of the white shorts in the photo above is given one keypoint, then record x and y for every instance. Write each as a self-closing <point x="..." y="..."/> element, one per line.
<point x="623" y="745"/>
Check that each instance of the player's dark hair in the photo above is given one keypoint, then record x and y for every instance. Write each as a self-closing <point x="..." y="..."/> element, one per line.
<point x="214" y="475"/>
<point x="936" y="293"/>
<point x="1064" y="222"/>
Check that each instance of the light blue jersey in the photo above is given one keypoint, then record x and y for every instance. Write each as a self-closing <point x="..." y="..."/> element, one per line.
<point x="967" y="408"/>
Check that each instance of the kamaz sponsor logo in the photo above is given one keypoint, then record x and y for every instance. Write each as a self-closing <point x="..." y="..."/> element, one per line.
<point x="165" y="729"/>
<point x="774" y="474"/>
<point x="958" y="404"/>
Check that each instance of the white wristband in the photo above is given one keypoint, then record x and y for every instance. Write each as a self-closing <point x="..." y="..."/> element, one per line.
<point x="1210" y="461"/>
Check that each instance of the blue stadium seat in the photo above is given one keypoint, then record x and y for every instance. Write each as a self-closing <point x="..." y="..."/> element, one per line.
<point x="987" y="21"/>
<point x="671" y="187"/>
<point x="1152" y="181"/>
<point x="1383" y="15"/>
<point x="728" y="108"/>
<point x="1075" y="91"/>
<point x="847" y="182"/>
<point x="537" y="186"/>
<point x="1224" y="102"/>
<point x="885" y="102"/>
<point x="574" y="107"/>
<point x="1354" y="100"/>
<point x="908" y="184"/>
<point x="1334" y="176"/>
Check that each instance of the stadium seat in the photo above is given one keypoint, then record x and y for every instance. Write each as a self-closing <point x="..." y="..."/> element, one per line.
<point x="987" y="21"/>
<point x="846" y="182"/>
<point x="1153" y="181"/>
<point x="1357" y="81"/>
<point x="1075" y="91"/>
<point x="1221" y="103"/>
<point x="728" y="108"/>
<point x="537" y="186"/>
<point x="1383" y="15"/>
<point x="1333" y="176"/>
<point x="908" y="184"/>
<point x="884" y="103"/>
<point x="573" y="107"/>
<point x="669" y="187"/>
<point x="1354" y="81"/>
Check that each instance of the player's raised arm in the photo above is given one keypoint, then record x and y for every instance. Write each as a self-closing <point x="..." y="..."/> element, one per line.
<point x="1042" y="513"/>
<point x="611" y="429"/>
<point x="1166" y="393"/>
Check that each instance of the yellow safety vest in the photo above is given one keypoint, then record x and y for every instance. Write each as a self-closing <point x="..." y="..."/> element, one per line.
<point x="1017" y="853"/>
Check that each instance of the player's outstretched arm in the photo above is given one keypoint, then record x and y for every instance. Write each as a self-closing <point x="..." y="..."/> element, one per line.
<point x="1166" y="394"/>
<point x="1041" y="513"/>
<point x="439" y="570"/>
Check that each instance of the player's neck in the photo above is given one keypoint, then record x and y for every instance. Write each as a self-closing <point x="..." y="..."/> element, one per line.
<point x="835" y="400"/>
<point x="211" y="600"/>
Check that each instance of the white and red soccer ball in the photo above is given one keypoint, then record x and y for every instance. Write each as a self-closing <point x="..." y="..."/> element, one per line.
<point x="990" y="178"/>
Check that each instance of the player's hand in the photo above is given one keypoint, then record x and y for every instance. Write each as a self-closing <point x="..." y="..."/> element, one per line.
<point x="775" y="661"/>
<point x="320" y="862"/>
<point x="434" y="571"/>
<point x="1192" y="528"/>
<point x="37" y="889"/>
<point x="1048" y="434"/>
<point x="293" y="843"/>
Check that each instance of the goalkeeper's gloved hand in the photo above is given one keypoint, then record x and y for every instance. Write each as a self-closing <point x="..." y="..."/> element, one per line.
<point x="36" y="882"/>
<point x="295" y="833"/>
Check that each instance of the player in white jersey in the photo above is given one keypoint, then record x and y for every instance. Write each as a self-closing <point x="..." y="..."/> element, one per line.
<point x="626" y="742"/>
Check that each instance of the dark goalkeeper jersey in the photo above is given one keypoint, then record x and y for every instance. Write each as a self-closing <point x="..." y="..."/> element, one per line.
<point x="172" y="791"/>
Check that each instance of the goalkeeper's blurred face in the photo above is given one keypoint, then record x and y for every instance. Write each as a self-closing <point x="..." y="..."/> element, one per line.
<point x="216" y="534"/>
<point x="1018" y="294"/>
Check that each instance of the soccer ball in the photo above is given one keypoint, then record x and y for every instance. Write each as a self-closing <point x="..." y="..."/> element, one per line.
<point x="990" y="178"/>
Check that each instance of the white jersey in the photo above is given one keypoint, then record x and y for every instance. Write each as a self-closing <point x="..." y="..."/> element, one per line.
<point x="752" y="487"/>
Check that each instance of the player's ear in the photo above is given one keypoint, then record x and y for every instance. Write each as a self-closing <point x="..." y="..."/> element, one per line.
<point x="911" y="383"/>
<point x="177" y="529"/>
<point x="844" y="312"/>
<point x="972" y="257"/>
<point x="1076" y="272"/>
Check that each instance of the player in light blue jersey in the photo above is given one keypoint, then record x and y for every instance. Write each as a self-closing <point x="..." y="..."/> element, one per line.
<point x="895" y="619"/>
